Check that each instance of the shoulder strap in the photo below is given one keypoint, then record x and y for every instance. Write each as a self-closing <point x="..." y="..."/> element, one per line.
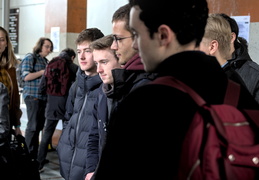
<point x="175" y="83"/>
<point x="34" y="60"/>
<point x="232" y="92"/>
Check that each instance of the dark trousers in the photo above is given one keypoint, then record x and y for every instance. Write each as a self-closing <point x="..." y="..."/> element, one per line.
<point x="48" y="132"/>
<point x="36" y="119"/>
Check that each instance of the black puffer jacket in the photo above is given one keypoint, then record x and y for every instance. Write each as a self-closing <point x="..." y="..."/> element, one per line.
<point x="247" y="69"/>
<point x="74" y="138"/>
<point x="4" y="113"/>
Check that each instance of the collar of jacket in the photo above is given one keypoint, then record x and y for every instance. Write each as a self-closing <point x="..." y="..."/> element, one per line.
<point x="88" y="82"/>
<point x="134" y="63"/>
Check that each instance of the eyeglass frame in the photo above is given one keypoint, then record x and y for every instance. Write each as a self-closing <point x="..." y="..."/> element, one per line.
<point x="116" y="39"/>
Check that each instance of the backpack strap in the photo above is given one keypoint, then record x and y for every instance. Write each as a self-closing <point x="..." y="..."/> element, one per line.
<point x="232" y="92"/>
<point x="175" y="83"/>
<point x="34" y="60"/>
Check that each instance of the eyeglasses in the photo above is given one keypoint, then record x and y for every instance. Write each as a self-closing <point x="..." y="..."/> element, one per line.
<point x="47" y="46"/>
<point x="116" y="39"/>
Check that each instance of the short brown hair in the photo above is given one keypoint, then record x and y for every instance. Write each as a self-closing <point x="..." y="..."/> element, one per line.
<point x="122" y="14"/>
<point x="102" y="43"/>
<point x="89" y="34"/>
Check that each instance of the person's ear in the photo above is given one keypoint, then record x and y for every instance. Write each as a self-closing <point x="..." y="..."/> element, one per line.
<point x="233" y="37"/>
<point x="214" y="45"/>
<point x="165" y="35"/>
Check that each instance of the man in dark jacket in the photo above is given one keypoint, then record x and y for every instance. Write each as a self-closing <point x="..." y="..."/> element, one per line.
<point x="242" y="62"/>
<point x="215" y="42"/>
<point x="72" y="145"/>
<point x="55" y="108"/>
<point x="128" y="57"/>
<point x="105" y="60"/>
<point x="146" y="131"/>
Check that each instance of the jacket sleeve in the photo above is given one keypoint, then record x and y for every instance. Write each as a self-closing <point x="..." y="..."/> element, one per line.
<point x="4" y="112"/>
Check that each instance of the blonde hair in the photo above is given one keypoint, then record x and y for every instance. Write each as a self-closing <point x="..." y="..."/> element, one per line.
<point x="218" y="29"/>
<point x="8" y="58"/>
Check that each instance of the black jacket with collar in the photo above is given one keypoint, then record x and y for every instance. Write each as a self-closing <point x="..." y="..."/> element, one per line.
<point x="247" y="69"/>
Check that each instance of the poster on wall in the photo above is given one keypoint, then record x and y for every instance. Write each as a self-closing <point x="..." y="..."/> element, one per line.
<point x="54" y="36"/>
<point x="14" y="28"/>
<point x="244" y="26"/>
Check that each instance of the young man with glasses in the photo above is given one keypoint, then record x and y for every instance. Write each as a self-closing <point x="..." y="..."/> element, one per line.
<point x="35" y="101"/>
<point x="134" y="74"/>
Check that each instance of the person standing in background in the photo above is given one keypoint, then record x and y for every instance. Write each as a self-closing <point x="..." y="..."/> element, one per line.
<point x="55" y="108"/>
<point x="10" y="103"/>
<point x="6" y="167"/>
<point x="216" y="42"/>
<point x="241" y="61"/>
<point x="35" y="102"/>
<point x="8" y="64"/>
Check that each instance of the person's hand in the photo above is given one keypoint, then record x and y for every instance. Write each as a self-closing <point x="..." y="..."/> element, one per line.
<point x="17" y="131"/>
<point x="89" y="176"/>
<point x="42" y="71"/>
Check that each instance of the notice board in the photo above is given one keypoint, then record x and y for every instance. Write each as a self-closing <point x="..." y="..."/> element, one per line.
<point x="14" y="28"/>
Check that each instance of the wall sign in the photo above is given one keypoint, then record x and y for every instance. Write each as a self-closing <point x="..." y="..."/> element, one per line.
<point x="243" y="23"/>
<point x="14" y="28"/>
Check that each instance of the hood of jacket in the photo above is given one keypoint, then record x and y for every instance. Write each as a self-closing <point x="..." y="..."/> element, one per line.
<point x="240" y="56"/>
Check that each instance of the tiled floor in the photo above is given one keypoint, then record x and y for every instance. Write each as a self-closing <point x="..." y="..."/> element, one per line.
<point x="51" y="169"/>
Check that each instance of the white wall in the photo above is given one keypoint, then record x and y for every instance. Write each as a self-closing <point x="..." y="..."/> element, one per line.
<point x="253" y="46"/>
<point x="99" y="13"/>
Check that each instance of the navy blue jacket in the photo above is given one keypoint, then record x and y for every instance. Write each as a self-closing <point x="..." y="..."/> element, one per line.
<point x="71" y="148"/>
